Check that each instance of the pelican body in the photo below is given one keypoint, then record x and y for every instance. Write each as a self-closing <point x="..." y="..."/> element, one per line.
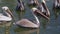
<point x="20" y="5"/>
<point x="56" y="4"/>
<point x="4" y="18"/>
<point x="27" y="23"/>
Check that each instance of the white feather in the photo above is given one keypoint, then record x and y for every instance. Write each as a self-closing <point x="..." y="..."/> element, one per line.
<point x="34" y="9"/>
<point x="5" y="8"/>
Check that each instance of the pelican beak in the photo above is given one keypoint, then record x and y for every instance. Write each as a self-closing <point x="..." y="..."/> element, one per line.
<point x="9" y="12"/>
<point x="35" y="10"/>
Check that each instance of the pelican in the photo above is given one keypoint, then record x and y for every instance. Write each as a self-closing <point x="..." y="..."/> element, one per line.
<point x="27" y="23"/>
<point x="20" y="5"/>
<point x="4" y="18"/>
<point x="43" y="8"/>
<point x="56" y="4"/>
<point x="33" y="2"/>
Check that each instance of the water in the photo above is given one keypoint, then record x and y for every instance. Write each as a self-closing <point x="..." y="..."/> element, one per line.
<point x="46" y="27"/>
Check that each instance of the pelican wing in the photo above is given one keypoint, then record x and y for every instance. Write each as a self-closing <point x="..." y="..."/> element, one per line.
<point x="26" y="23"/>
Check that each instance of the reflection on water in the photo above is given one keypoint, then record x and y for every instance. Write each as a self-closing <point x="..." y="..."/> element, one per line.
<point x="19" y="30"/>
<point x="26" y="31"/>
<point x="56" y="12"/>
<point x="45" y="23"/>
<point x="20" y="14"/>
<point x="4" y="27"/>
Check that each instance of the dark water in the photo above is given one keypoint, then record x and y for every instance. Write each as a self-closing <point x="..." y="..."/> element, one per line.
<point x="46" y="27"/>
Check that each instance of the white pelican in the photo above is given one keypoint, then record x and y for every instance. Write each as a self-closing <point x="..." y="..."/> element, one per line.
<point x="56" y="4"/>
<point x="4" y="18"/>
<point x="27" y="23"/>
<point x="20" y="5"/>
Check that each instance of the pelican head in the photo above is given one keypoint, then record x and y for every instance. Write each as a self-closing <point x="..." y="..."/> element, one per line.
<point x="5" y="8"/>
<point x="43" y="1"/>
<point x="34" y="9"/>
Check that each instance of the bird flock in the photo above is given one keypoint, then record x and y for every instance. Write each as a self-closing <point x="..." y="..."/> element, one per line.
<point x="39" y="8"/>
